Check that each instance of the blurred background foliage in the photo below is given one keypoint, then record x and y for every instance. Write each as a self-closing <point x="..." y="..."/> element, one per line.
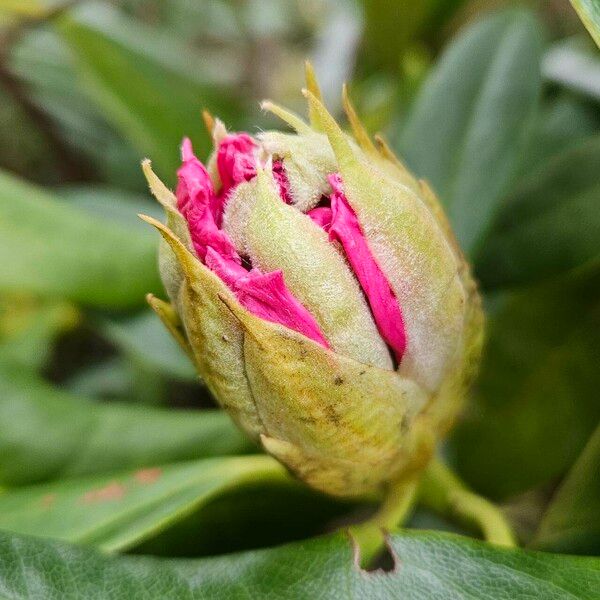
<point x="496" y="103"/>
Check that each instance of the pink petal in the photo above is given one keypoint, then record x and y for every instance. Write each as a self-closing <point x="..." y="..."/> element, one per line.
<point x="196" y="201"/>
<point x="236" y="161"/>
<point x="384" y="305"/>
<point x="322" y="216"/>
<point x="264" y="295"/>
<point x="280" y="176"/>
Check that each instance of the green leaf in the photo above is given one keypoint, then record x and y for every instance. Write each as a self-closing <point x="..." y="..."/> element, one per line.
<point x="549" y="224"/>
<point x="113" y="204"/>
<point x="29" y="326"/>
<point x="46" y="66"/>
<point x="472" y="117"/>
<point x="55" y="250"/>
<point x="589" y="13"/>
<point x="116" y="511"/>
<point x="146" y="341"/>
<point x="390" y="27"/>
<point x="46" y="433"/>
<point x="572" y="521"/>
<point x="536" y="403"/>
<point x="574" y="64"/>
<point x="143" y="85"/>
<point x="429" y="566"/>
<point x="564" y="122"/>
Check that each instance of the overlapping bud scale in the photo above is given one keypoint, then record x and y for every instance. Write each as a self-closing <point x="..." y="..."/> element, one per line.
<point x="319" y="290"/>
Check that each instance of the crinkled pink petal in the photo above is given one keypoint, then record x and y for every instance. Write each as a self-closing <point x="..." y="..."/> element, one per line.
<point x="280" y="176"/>
<point x="384" y="305"/>
<point x="264" y="295"/>
<point x="236" y="161"/>
<point x="196" y="202"/>
<point x="322" y="216"/>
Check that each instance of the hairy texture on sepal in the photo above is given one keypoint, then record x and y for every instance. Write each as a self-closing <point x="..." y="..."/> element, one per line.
<point x="213" y="333"/>
<point x="412" y="251"/>
<point x="332" y="409"/>
<point x="322" y="296"/>
<point x="277" y="236"/>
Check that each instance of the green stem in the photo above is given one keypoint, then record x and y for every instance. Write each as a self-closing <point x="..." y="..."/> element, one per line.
<point x="370" y="535"/>
<point x="442" y="491"/>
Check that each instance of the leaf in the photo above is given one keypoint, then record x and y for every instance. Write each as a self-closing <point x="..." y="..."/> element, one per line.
<point x="142" y="85"/>
<point x="119" y="206"/>
<point x="574" y="65"/>
<point x="535" y="404"/>
<point x="589" y="13"/>
<point x="145" y="339"/>
<point x="564" y="122"/>
<point x="29" y="326"/>
<point x="472" y="117"/>
<point x="572" y="521"/>
<point x="55" y="250"/>
<point x="47" y="67"/>
<point x="390" y="27"/>
<point x="46" y="433"/>
<point x="549" y="224"/>
<point x="116" y="511"/>
<point x="429" y="565"/>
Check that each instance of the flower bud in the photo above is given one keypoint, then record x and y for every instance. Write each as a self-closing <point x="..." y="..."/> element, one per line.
<point x="318" y="287"/>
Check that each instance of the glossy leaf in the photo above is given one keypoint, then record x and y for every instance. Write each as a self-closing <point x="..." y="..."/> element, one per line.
<point x="536" y="398"/>
<point x="117" y="511"/>
<point x="56" y="250"/>
<point x="470" y="121"/>
<point x="139" y="87"/>
<point x="589" y="13"/>
<point x="46" y="433"/>
<point x="549" y="224"/>
<point x="574" y="64"/>
<point x="428" y="566"/>
<point x="113" y="204"/>
<point x="572" y="521"/>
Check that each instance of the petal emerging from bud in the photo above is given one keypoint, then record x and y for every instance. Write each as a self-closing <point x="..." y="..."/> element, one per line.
<point x="414" y="255"/>
<point x="343" y="226"/>
<point x="279" y="237"/>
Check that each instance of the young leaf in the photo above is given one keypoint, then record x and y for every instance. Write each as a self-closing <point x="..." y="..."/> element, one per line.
<point x="46" y="433"/>
<point x="52" y="249"/>
<point x="428" y="565"/>
<point x="472" y="117"/>
<point x="572" y="521"/>
<point x="549" y="224"/>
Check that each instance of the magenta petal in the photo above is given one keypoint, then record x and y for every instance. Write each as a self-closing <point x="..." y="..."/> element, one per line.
<point x="384" y="305"/>
<point x="283" y="183"/>
<point x="196" y="202"/>
<point x="267" y="296"/>
<point x="236" y="161"/>
<point x="322" y="216"/>
<point x="264" y="295"/>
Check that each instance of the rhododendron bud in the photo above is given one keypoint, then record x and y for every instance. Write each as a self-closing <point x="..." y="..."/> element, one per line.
<point x="319" y="290"/>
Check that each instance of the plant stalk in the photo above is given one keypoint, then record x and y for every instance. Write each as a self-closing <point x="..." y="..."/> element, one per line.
<point x="442" y="491"/>
<point x="395" y="508"/>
